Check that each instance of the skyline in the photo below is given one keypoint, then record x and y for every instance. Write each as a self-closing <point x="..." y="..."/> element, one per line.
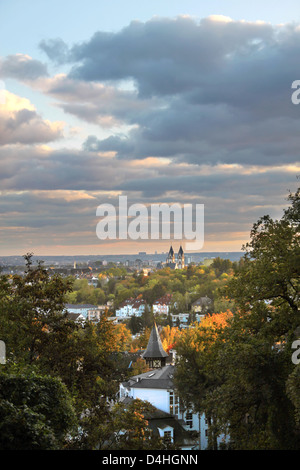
<point x="173" y="103"/>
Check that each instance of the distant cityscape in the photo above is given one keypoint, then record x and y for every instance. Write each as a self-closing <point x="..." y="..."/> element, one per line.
<point x="86" y="266"/>
<point x="14" y="264"/>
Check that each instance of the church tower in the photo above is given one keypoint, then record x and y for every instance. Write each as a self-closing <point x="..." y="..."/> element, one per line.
<point x="180" y="258"/>
<point x="171" y="256"/>
<point x="155" y="355"/>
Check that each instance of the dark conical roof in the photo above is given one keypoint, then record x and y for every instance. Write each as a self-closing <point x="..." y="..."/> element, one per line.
<point x="155" y="348"/>
<point x="171" y="251"/>
<point x="180" y="252"/>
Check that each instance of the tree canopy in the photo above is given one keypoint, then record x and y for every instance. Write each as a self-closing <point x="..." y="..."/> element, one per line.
<point x="241" y="373"/>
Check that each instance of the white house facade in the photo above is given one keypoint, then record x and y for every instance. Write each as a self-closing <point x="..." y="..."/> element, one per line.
<point x="162" y="305"/>
<point x="81" y="309"/>
<point x="131" y="307"/>
<point x="157" y="387"/>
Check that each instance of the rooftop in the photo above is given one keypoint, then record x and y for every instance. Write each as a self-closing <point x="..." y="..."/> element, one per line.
<point x="157" y="378"/>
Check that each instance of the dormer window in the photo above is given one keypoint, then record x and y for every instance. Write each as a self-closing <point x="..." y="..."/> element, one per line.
<point x="166" y="433"/>
<point x="168" y="437"/>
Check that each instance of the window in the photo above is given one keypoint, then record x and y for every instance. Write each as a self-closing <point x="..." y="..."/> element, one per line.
<point x="168" y="436"/>
<point x="174" y="403"/>
<point x="189" y="419"/>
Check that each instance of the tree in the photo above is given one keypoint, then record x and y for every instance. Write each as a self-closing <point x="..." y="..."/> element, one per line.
<point x="195" y="378"/>
<point x="168" y="337"/>
<point x="130" y="428"/>
<point x="293" y="387"/>
<point x="135" y="324"/>
<point x="36" y="412"/>
<point x="125" y="427"/>
<point x="139" y="367"/>
<point x="32" y="315"/>
<point x="244" y="377"/>
<point x="38" y="333"/>
<point x="123" y="337"/>
<point x="85" y="293"/>
<point x="221" y="266"/>
<point x="257" y="346"/>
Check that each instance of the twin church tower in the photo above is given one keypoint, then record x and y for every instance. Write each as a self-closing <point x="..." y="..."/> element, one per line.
<point x="174" y="263"/>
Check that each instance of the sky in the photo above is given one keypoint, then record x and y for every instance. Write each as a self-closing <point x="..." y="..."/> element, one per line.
<point x="163" y="102"/>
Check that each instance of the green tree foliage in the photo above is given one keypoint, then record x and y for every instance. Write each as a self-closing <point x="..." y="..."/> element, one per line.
<point x="126" y="427"/>
<point x="31" y="313"/>
<point x="293" y="391"/>
<point x="83" y="293"/>
<point x="196" y="378"/>
<point x="36" y="412"/>
<point x="131" y="428"/>
<point x="38" y="334"/>
<point x="221" y="266"/>
<point x="245" y="379"/>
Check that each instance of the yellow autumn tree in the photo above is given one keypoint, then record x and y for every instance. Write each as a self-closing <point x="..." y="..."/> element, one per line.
<point x="123" y="337"/>
<point x="194" y="377"/>
<point x="168" y="336"/>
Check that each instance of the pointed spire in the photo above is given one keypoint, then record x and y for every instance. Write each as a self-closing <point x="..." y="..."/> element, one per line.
<point x="155" y="354"/>
<point x="171" y="256"/>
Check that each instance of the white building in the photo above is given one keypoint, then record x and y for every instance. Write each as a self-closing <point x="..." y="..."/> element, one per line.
<point x="93" y="281"/>
<point x="157" y="387"/>
<point x="94" y="314"/>
<point x="183" y="319"/>
<point x="82" y="309"/>
<point x="131" y="307"/>
<point x="162" y="305"/>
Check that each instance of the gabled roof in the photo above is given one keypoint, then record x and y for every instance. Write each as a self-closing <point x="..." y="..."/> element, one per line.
<point x="158" y="419"/>
<point x="202" y="301"/>
<point x="155" y="348"/>
<point x="164" y="300"/>
<point x="154" y="379"/>
<point x="79" y="306"/>
<point x="134" y="303"/>
<point x="74" y="316"/>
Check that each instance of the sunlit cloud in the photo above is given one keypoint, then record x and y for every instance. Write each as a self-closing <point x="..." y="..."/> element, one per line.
<point x="20" y="123"/>
<point x="174" y="110"/>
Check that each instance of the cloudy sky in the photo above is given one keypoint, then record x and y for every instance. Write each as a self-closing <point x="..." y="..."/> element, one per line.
<point x="163" y="102"/>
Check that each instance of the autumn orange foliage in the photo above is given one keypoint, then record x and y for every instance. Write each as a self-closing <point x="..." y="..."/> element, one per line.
<point x="205" y="331"/>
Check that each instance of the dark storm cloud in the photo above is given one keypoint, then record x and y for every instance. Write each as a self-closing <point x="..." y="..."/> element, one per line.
<point x="213" y="61"/>
<point x="166" y="56"/>
<point x="207" y="135"/>
<point x="206" y="92"/>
